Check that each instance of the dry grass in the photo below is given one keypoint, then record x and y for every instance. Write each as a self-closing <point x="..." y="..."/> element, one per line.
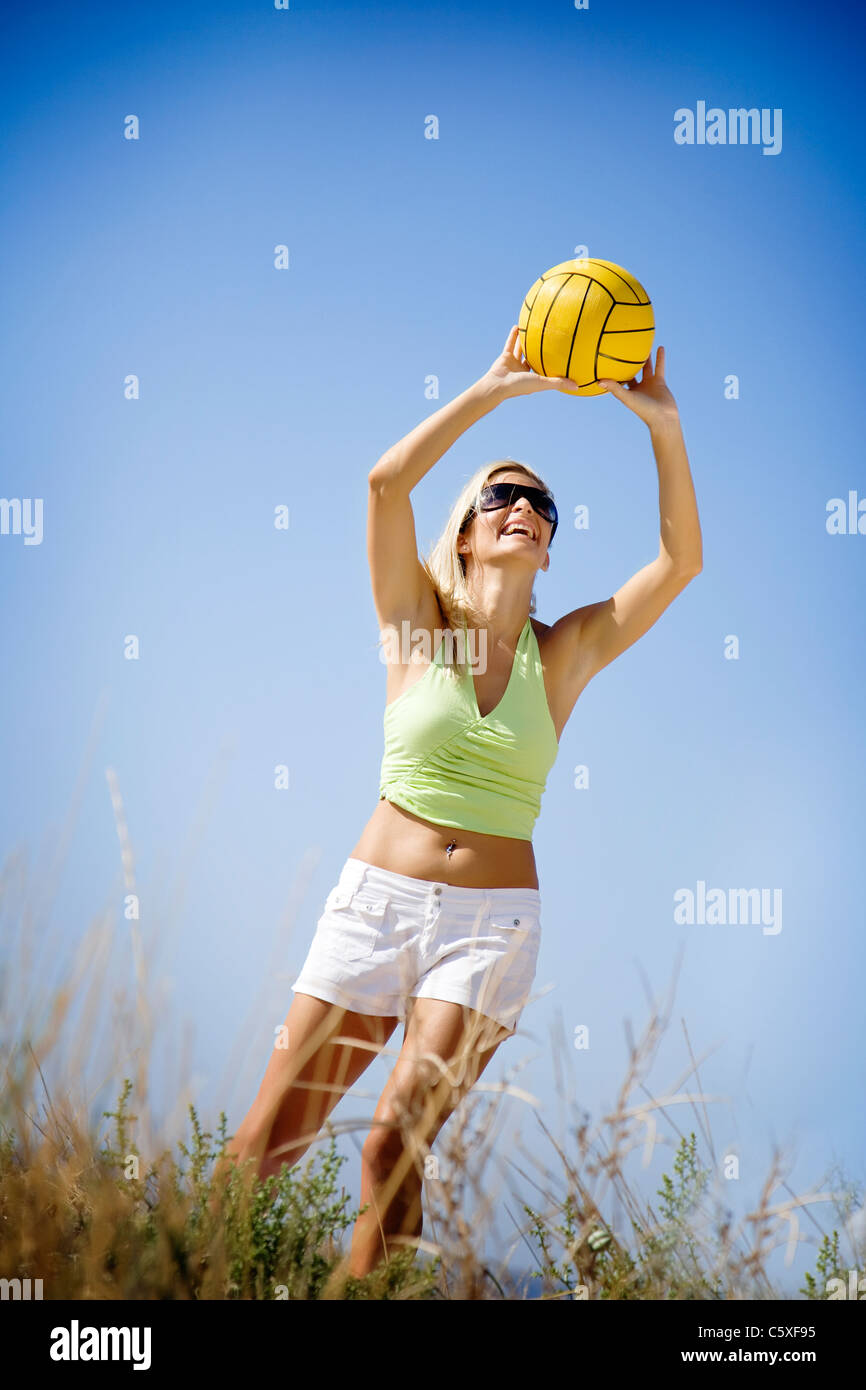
<point x="118" y="1216"/>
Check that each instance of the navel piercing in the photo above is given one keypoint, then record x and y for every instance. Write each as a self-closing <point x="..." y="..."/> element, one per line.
<point x="449" y="849"/>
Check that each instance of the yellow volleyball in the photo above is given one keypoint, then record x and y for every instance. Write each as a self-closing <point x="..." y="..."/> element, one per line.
<point x="586" y="319"/>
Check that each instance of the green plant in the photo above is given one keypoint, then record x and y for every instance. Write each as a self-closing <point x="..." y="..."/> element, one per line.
<point x="667" y="1261"/>
<point x="828" y="1266"/>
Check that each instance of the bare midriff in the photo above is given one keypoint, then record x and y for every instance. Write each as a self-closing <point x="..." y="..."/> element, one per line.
<point x="402" y="843"/>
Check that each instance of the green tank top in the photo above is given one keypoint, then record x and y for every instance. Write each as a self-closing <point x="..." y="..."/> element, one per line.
<point x="446" y="763"/>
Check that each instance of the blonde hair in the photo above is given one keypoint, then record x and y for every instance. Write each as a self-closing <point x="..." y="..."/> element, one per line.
<point x="446" y="567"/>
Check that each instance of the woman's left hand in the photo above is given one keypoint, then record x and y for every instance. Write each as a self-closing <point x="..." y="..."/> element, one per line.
<point x="649" y="398"/>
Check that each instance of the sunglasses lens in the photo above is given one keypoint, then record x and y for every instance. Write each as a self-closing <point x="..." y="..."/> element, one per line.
<point x="498" y="495"/>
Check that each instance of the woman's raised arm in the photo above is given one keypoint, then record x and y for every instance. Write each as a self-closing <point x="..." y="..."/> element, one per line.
<point x="400" y="584"/>
<point x="590" y="637"/>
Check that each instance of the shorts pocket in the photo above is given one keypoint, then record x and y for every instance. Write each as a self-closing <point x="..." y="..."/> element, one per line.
<point x="519" y="934"/>
<point x="353" y="921"/>
<point x="514" y="924"/>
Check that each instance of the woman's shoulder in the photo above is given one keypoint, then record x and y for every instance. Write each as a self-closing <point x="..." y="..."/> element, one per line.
<point x="552" y="646"/>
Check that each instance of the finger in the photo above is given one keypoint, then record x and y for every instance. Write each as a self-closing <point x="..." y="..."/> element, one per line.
<point x="617" y="389"/>
<point x="517" y="350"/>
<point x="660" y="363"/>
<point x="535" y="382"/>
<point x="511" y="339"/>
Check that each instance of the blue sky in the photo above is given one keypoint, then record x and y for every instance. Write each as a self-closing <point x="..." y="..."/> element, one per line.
<point x="259" y="387"/>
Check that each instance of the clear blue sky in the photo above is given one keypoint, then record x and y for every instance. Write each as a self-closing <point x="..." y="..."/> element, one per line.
<point x="260" y="387"/>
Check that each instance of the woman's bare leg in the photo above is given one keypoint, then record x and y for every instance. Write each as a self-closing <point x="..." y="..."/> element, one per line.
<point x="412" y="1109"/>
<point x="328" y="1049"/>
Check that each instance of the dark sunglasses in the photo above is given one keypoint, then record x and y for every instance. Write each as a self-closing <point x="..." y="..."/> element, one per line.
<point x="495" y="496"/>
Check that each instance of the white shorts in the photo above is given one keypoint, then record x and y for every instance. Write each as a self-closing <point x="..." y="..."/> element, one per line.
<point x="384" y="938"/>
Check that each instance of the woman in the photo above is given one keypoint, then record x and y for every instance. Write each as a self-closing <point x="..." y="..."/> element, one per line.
<point x="436" y="916"/>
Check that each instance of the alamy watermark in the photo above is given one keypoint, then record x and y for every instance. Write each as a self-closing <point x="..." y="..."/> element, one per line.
<point x="855" y="1289"/>
<point x="737" y="126"/>
<point x="846" y="518"/>
<point x="417" y="645"/>
<point x="22" y="516"/>
<point x="20" y="1288"/>
<point x="719" y="907"/>
<point x="77" y="1343"/>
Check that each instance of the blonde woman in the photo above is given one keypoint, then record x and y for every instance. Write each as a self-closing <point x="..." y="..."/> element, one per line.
<point x="435" y="920"/>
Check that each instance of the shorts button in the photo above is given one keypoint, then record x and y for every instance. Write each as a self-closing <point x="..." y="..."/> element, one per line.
<point x="517" y="921"/>
<point x="437" y="890"/>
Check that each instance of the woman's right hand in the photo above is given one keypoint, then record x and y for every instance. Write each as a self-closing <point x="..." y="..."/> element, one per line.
<point x="511" y="375"/>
